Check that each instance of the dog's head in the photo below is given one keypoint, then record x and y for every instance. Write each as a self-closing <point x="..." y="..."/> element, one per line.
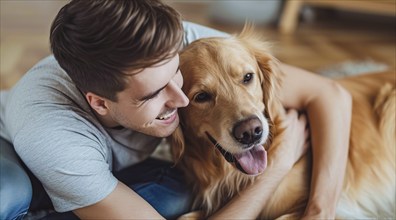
<point x="231" y="83"/>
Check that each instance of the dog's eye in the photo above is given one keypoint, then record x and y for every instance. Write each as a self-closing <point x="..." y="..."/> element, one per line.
<point x="247" y="77"/>
<point x="202" y="97"/>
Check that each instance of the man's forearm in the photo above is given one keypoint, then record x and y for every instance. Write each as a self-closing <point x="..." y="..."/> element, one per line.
<point x="330" y="117"/>
<point x="122" y="203"/>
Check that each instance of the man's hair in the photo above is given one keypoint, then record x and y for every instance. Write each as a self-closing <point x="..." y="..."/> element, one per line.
<point x="98" y="42"/>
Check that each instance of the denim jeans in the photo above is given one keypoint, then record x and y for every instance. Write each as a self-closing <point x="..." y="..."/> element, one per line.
<point x="15" y="187"/>
<point x="156" y="181"/>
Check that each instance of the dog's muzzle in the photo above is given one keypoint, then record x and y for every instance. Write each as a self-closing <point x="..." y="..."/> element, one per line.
<point x="252" y="161"/>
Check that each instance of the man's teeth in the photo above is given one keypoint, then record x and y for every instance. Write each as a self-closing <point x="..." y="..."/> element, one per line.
<point x="166" y="116"/>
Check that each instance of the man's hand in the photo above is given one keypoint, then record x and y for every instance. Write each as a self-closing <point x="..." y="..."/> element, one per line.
<point x="249" y="203"/>
<point x="295" y="141"/>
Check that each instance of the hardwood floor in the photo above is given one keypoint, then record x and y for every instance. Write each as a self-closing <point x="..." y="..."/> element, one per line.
<point x="24" y="36"/>
<point x="330" y="39"/>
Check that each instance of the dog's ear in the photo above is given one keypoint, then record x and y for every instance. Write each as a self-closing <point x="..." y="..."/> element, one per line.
<point x="270" y="74"/>
<point x="177" y="144"/>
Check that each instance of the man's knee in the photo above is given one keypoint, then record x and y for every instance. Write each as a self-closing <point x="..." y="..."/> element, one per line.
<point x="170" y="203"/>
<point x="160" y="185"/>
<point x="175" y="206"/>
<point x="15" y="189"/>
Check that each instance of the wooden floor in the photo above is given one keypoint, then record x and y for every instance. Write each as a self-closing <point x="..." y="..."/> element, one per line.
<point x="328" y="40"/>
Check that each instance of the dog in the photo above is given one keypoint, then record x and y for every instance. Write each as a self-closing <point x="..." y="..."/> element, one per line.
<point x="209" y="69"/>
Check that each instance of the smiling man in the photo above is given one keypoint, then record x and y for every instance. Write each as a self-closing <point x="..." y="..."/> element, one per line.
<point x="78" y="129"/>
<point x="149" y="102"/>
<point x="86" y="120"/>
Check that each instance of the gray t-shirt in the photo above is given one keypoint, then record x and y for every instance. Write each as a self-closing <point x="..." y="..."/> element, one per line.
<point x="55" y="132"/>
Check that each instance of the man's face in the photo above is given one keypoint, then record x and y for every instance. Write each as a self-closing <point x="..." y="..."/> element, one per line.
<point x="149" y="103"/>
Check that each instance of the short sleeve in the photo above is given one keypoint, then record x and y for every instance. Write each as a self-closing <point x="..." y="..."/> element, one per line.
<point x="194" y="32"/>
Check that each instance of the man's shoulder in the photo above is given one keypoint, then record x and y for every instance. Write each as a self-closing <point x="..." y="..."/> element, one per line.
<point x="44" y="94"/>
<point x="48" y="70"/>
<point x="45" y="75"/>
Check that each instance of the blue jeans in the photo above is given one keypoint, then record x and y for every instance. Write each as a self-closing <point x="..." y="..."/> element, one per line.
<point x="154" y="180"/>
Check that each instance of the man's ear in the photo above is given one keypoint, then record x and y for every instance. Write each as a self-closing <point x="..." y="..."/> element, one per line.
<point x="97" y="103"/>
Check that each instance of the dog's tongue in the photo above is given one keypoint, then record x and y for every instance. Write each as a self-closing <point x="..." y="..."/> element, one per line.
<point x="253" y="161"/>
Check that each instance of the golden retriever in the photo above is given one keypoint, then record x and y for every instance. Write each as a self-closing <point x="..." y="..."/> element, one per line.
<point x="221" y="107"/>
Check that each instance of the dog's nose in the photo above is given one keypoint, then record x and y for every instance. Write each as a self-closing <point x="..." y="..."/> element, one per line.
<point x="248" y="131"/>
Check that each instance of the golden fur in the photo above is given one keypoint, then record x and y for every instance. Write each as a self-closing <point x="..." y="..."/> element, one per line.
<point x="214" y="65"/>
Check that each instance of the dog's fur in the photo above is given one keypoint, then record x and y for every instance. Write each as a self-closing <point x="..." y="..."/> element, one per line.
<point x="215" y="65"/>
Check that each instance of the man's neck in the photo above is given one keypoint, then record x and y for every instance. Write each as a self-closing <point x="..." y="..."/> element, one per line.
<point x="106" y="121"/>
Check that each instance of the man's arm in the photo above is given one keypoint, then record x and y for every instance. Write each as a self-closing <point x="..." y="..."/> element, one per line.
<point x="122" y="203"/>
<point x="329" y="109"/>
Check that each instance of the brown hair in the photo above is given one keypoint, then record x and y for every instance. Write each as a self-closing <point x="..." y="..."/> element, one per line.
<point x="97" y="42"/>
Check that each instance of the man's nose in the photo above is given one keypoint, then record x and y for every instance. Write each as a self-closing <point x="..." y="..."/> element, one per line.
<point x="177" y="98"/>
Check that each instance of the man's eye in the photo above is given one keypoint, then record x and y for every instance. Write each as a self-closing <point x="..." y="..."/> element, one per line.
<point x="247" y="77"/>
<point x="152" y="96"/>
<point x="202" y="97"/>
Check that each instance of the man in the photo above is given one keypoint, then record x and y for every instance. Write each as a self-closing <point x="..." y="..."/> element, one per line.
<point x="85" y="121"/>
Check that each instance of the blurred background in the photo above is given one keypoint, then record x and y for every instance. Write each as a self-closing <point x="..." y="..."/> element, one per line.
<point x="330" y="37"/>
